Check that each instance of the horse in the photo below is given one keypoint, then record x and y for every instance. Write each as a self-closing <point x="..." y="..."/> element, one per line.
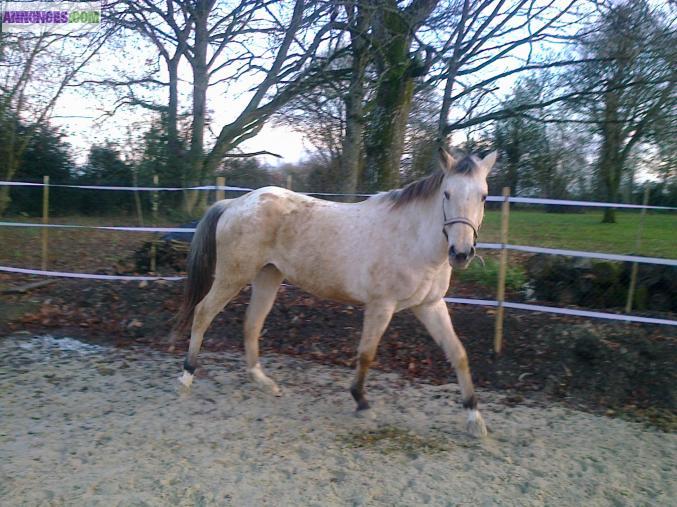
<point x="393" y="251"/>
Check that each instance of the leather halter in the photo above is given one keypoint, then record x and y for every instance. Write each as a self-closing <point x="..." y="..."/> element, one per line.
<point x="457" y="220"/>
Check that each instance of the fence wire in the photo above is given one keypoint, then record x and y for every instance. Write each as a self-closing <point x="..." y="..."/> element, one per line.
<point x="478" y="302"/>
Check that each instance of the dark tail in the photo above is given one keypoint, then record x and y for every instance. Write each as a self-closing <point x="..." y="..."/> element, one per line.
<point x="200" y="267"/>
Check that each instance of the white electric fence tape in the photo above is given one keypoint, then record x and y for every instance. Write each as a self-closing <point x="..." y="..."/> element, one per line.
<point x="491" y="198"/>
<point x="63" y="274"/>
<point x="579" y="253"/>
<point x="566" y="202"/>
<point x="563" y="311"/>
<point x="101" y="227"/>
<point x="479" y="302"/>
<point x="108" y="187"/>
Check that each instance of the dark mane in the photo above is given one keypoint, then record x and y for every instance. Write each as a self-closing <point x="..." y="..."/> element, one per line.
<point x="426" y="187"/>
<point x="416" y="191"/>
<point x="467" y="165"/>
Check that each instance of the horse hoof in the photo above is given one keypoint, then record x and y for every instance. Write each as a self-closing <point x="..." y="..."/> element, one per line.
<point x="475" y="425"/>
<point x="362" y="405"/>
<point x="269" y="387"/>
<point x="263" y="382"/>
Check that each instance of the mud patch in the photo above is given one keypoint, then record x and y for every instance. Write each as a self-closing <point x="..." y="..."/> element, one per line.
<point x="391" y="439"/>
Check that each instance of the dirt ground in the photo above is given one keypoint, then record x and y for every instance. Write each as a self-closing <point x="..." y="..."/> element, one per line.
<point x="101" y="421"/>
<point x="91" y="424"/>
<point x="613" y="369"/>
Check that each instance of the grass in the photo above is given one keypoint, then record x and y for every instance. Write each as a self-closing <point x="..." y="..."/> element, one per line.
<point x="584" y="231"/>
<point x="391" y="439"/>
<point x="83" y="250"/>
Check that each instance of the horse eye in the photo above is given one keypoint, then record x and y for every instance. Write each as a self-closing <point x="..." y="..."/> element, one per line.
<point x="446" y="194"/>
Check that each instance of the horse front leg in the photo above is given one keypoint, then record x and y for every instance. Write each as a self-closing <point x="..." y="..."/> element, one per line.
<point x="376" y="319"/>
<point x="435" y="318"/>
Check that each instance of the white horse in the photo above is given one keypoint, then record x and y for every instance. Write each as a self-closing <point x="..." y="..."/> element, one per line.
<point x="393" y="251"/>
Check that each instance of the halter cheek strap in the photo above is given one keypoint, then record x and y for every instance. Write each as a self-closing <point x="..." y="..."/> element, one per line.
<point x="457" y="220"/>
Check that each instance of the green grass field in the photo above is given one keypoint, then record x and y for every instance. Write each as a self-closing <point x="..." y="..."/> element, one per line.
<point x="584" y="231"/>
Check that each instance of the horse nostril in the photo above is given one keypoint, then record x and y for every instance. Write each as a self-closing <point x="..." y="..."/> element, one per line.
<point x="472" y="251"/>
<point x="452" y="250"/>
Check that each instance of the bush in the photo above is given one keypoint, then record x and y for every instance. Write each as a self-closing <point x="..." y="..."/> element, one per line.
<point x="601" y="284"/>
<point x="515" y="276"/>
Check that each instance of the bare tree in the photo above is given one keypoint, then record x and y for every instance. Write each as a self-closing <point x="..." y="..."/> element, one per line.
<point x="494" y="40"/>
<point x="400" y="49"/>
<point x="275" y="43"/>
<point x="358" y="20"/>
<point x="297" y="65"/>
<point x="36" y="69"/>
<point x="630" y="89"/>
<point x="167" y="25"/>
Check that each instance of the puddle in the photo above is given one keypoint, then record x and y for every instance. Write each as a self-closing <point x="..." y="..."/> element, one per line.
<point x="51" y="343"/>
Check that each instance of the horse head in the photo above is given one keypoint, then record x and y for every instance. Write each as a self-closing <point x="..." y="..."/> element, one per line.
<point x="463" y="193"/>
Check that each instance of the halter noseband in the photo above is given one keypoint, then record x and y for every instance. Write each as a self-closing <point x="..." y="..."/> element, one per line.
<point x="457" y="220"/>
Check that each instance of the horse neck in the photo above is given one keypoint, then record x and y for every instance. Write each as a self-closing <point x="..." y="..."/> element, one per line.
<point x="420" y="224"/>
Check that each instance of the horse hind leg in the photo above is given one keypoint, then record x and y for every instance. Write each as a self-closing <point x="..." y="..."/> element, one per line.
<point x="264" y="291"/>
<point x="218" y="296"/>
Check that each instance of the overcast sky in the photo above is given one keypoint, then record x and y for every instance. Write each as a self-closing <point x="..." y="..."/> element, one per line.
<point x="79" y="112"/>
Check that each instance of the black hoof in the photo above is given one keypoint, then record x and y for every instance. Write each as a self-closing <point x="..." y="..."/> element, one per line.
<point x="188" y="367"/>
<point x="362" y="405"/>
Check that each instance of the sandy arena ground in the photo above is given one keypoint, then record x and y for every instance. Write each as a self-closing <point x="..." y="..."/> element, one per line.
<point x="89" y="425"/>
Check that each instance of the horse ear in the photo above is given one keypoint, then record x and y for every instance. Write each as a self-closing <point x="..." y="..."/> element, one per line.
<point x="489" y="161"/>
<point x="447" y="161"/>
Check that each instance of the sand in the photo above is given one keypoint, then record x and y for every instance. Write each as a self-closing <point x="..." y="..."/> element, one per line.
<point x="90" y="425"/>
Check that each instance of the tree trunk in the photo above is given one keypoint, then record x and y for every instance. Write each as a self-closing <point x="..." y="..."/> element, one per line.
<point x="12" y="162"/>
<point x="176" y="169"/>
<point x="352" y="149"/>
<point x="514" y="155"/>
<point x="197" y="172"/>
<point x="252" y="119"/>
<point x="352" y="141"/>
<point x="384" y="135"/>
<point x="5" y="199"/>
<point x="174" y="166"/>
<point x="393" y="33"/>
<point x="611" y="162"/>
<point x="384" y="139"/>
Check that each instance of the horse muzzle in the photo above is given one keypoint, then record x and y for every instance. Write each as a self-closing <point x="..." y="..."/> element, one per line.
<point x="460" y="260"/>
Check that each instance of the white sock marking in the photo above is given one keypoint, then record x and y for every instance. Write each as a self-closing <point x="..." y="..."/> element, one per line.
<point x="186" y="379"/>
<point x="473" y="415"/>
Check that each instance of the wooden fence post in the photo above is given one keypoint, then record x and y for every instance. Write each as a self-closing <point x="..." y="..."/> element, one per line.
<point x="289" y="181"/>
<point x="45" y="220"/>
<point x="503" y="266"/>
<point x="638" y="244"/>
<point x="220" y="193"/>
<point x="154" y="208"/>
